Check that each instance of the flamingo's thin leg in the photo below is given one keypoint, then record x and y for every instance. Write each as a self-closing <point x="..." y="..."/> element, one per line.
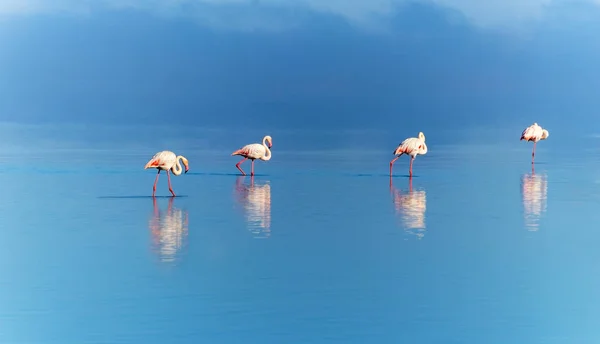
<point x="239" y="168"/>
<point x="533" y="152"/>
<point x="410" y="169"/>
<point x="252" y="169"/>
<point x="392" y="164"/>
<point x="170" y="188"/>
<point x="155" y="182"/>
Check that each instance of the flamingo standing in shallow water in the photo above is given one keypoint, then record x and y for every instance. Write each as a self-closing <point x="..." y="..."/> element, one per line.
<point x="534" y="133"/>
<point x="412" y="146"/>
<point x="167" y="160"/>
<point x="255" y="151"/>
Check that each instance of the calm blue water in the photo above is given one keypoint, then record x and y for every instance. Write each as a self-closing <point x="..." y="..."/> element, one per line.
<point x="317" y="248"/>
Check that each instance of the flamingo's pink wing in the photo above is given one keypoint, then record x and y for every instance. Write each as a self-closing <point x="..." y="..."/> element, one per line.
<point x="527" y="133"/>
<point x="155" y="162"/>
<point x="242" y="151"/>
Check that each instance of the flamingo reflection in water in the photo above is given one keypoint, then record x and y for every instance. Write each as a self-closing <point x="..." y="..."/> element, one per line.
<point x="534" y="191"/>
<point x="255" y="200"/>
<point x="169" y="230"/>
<point x="411" y="207"/>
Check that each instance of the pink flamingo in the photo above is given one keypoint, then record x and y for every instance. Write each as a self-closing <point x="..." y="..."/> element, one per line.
<point x="255" y="151"/>
<point x="534" y="133"/>
<point x="412" y="146"/>
<point x="167" y="160"/>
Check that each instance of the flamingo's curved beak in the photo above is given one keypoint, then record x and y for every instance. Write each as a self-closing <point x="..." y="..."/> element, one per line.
<point x="187" y="168"/>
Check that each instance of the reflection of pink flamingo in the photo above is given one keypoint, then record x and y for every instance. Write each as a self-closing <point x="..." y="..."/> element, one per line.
<point x="255" y="151"/>
<point x="256" y="202"/>
<point x="534" y="133"/>
<point x="411" y="146"/>
<point x="169" y="230"/>
<point x="411" y="207"/>
<point x="167" y="160"/>
<point x="534" y="193"/>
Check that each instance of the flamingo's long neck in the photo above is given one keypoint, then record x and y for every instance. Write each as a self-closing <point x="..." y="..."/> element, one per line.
<point x="268" y="151"/>
<point x="177" y="167"/>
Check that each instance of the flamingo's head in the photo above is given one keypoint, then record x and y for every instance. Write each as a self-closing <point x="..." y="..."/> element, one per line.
<point x="545" y="134"/>
<point x="423" y="148"/>
<point x="269" y="141"/>
<point x="186" y="164"/>
<point x="421" y="136"/>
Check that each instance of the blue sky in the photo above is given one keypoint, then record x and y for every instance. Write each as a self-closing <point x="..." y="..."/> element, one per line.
<point x="304" y="64"/>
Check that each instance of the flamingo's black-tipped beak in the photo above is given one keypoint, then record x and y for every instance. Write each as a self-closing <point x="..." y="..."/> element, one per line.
<point x="186" y="170"/>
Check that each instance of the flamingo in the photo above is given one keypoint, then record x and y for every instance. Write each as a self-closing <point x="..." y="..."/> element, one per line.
<point x="412" y="146"/>
<point x="167" y="160"/>
<point x="534" y="133"/>
<point x="254" y="151"/>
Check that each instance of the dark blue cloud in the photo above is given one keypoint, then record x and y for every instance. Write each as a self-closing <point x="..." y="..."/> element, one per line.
<point x="429" y="68"/>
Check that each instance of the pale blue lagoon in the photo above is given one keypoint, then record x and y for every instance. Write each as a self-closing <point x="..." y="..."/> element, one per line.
<point x="317" y="248"/>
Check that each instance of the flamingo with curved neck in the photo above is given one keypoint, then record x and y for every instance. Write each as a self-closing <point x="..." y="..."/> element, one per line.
<point x="412" y="146"/>
<point x="534" y="133"/>
<point x="167" y="160"/>
<point x="255" y="151"/>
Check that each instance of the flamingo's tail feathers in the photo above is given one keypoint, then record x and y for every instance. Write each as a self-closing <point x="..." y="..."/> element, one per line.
<point x="152" y="163"/>
<point x="237" y="152"/>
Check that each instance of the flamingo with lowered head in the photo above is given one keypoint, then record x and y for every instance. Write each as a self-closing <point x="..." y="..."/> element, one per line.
<point x="412" y="146"/>
<point x="255" y="151"/>
<point x="167" y="160"/>
<point x="534" y="133"/>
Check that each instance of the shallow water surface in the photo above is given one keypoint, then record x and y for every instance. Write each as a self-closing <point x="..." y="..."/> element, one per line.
<point x="317" y="248"/>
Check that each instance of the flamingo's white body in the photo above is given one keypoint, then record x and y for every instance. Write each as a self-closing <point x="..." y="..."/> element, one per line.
<point x="167" y="160"/>
<point x="412" y="146"/>
<point x="255" y="151"/>
<point x="534" y="133"/>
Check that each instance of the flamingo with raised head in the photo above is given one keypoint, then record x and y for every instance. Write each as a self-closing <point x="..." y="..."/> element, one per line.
<point x="255" y="151"/>
<point x="412" y="146"/>
<point x="534" y="133"/>
<point x="167" y="160"/>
